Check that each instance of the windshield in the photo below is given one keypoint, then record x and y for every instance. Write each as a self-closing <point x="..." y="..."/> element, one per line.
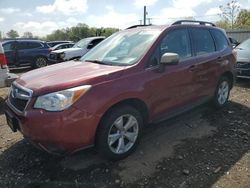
<point x="82" y="43"/>
<point x="122" y="48"/>
<point x="244" y="45"/>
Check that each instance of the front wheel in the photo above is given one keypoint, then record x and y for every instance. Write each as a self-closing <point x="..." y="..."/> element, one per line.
<point x="222" y="92"/>
<point x="40" y="62"/>
<point x="119" y="132"/>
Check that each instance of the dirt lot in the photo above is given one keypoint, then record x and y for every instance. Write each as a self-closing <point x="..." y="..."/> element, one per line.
<point x="201" y="148"/>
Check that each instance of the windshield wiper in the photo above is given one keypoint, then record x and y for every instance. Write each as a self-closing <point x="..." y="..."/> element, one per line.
<point x="98" y="61"/>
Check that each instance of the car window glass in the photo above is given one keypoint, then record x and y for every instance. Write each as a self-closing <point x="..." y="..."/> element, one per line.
<point x="203" y="41"/>
<point x="34" y="45"/>
<point x="154" y="58"/>
<point x="176" y="41"/>
<point x="22" y="45"/>
<point x="220" y="40"/>
<point x="8" y="47"/>
<point x="93" y="43"/>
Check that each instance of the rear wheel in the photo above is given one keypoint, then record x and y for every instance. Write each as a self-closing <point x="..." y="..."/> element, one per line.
<point x="222" y="92"/>
<point x="40" y="62"/>
<point x="119" y="132"/>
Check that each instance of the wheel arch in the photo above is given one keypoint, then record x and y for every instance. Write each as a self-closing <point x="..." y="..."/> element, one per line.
<point x="230" y="76"/>
<point x="138" y="104"/>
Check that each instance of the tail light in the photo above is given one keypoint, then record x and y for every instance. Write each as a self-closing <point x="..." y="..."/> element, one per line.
<point x="3" y="61"/>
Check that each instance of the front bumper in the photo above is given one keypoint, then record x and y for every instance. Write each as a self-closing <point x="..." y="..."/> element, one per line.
<point x="55" y="132"/>
<point x="243" y="69"/>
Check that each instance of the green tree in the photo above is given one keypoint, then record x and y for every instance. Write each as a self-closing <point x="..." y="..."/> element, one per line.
<point x="12" y="34"/>
<point x="0" y="35"/>
<point x="79" y="32"/>
<point x="27" y="34"/>
<point x="223" y="24"/>
<point x="243" y="19"/>
<point x="230" y="12"/>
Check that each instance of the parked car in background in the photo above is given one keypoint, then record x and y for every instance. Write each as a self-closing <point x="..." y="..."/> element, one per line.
<point x="234" y="42"/>
<point x="77" y="51"/>
<point x="134" y="77"/>
<point x="243" y="59"/>
<point x="53" y="43"/>
<point x="62" y="46"/>
<point x="5" y="77"/>
<point x="26" y="52"/>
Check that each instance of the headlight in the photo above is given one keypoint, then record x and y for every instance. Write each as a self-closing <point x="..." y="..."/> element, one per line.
<point x="62" y="55"/>
<point x="60" y="100"/>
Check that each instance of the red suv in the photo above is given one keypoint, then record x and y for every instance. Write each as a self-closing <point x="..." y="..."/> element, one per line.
<point x="134" y="77"/>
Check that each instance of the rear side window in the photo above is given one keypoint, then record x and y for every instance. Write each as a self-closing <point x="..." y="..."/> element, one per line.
<point x="94" y="43"/>
<point x="8" y="46"/>
<point x="221" y="42"/>
<point x="34" y="45"/>
<point x="203" y="41"/>
<point x="28" y="45"/>
<point x="176" y="41"/>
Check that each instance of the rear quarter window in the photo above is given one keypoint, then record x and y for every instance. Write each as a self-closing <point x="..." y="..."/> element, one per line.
<point x="221" y="41"/>
<point x="8" y="46"/>
<point x="203" y="41"/>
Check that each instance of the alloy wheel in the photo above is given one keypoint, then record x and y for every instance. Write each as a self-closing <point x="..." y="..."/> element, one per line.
<point x="123" y="134"/>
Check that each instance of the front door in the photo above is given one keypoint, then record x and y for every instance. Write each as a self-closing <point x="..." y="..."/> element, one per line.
<point x="173" y="87"/>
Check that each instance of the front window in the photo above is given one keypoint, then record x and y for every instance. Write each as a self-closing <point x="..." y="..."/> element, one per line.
<point x="123" y="48"/>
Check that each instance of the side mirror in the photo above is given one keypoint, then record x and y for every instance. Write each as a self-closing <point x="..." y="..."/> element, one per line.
<point x="170" y="59"/>
<point x="90" y="45"/>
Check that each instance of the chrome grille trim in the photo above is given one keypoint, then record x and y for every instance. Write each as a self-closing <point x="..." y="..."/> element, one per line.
<point x="19" y="92"/>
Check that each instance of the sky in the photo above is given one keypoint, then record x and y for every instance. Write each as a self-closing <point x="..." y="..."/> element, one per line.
<point x="42" y="17"/>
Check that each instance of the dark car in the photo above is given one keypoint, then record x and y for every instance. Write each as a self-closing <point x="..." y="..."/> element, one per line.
<point x="53" y="43"/>
<point x="62" y="46"/>
<point x="26" y="52"/>
<point x="134" y="77"/>
<point x="243" y="59"/>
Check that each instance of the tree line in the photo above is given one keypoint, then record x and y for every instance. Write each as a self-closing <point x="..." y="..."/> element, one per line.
<point x="75" y="33"/>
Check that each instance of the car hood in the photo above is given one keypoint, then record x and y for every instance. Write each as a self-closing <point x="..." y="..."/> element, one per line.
<point x="67" y="75"/>
<point x="67" y="50"/>
<point x="243" y="55"/>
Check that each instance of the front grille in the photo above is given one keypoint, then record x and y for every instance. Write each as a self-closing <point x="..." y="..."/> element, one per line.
<point x="19" y="97"/>
<point x="244" y="65"/>
<point x="53" y="56"/>
<point x="18" y="103"/>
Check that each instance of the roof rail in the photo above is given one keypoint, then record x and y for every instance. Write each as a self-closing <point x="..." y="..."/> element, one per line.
<point x="20" y="39"/>
<point x="194" y="22"/>
<point x="134" y="26"/>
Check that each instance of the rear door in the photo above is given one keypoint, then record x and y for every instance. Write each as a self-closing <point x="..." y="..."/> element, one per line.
<point x="28" y="50"/>
<point x="206" y="59"/>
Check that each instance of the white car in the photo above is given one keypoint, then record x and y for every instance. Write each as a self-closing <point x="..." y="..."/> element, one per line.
<point x="5" y="77"/>
<point x="77" y="51"/>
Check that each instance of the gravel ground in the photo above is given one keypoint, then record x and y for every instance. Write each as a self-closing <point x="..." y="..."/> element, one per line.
<point x="201" y="148"/>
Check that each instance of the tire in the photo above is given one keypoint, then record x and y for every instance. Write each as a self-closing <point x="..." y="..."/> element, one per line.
<point x="40" y="62"/>
<point x="119" y="133"/>
<point x="222" y="92"/>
